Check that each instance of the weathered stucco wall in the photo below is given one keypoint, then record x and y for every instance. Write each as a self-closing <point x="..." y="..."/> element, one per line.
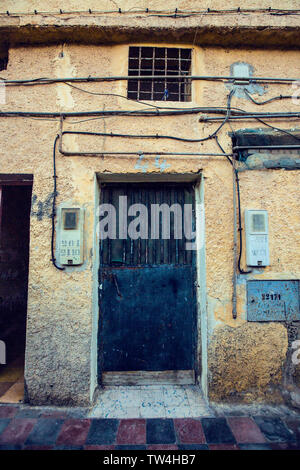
<point x="245" y="361"/>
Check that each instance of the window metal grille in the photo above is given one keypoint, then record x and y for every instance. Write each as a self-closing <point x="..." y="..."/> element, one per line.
<point x="159" y="62"/>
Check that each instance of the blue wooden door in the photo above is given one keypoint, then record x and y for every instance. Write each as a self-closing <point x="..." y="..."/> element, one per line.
<point x="147" y="288"/>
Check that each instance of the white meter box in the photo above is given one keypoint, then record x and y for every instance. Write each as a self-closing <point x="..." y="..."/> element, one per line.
<point x="71" y="236"/>
<point x="257" y="237"/>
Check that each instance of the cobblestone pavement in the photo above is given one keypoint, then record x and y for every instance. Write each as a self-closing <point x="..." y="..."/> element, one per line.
<point x="23" y="427"/>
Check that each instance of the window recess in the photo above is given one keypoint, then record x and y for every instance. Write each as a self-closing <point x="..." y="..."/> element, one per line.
<point x="3" y="56"/>
<point x="169" y="68"/>
<point x="253" y="141"/>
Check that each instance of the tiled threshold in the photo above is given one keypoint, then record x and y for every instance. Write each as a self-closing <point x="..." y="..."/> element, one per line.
<point x="12" y="382"/>
<point x="150" y="401"/>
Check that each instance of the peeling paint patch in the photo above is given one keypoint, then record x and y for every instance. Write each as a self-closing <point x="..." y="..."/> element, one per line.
<point x="163" y="165"/>
<point x="64" y="68"/>
<point x="41" y="209"/>
<point x="140" y="165"/>
<point x="242" y="69"/>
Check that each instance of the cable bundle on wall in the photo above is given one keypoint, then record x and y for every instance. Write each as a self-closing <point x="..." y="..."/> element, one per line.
<point x="229" y="113"/>
<point x="175" y="13"/>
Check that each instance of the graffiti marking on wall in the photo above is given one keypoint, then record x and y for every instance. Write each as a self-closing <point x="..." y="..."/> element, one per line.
<point x="41" y="209"/>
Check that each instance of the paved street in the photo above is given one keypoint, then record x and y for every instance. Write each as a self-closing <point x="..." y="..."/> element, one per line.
<point x="23" y="427"/>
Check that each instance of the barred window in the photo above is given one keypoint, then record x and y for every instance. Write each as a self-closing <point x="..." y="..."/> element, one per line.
<point x="163" y="62"/>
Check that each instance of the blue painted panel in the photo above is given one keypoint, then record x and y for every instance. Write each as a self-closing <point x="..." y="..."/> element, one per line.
<point x="273" y="301"/>
<point x="148" y="318"/>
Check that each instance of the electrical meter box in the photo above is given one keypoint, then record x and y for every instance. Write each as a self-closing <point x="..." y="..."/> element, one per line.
<point x="71" y="236"/>
<point x="257" y="237"/>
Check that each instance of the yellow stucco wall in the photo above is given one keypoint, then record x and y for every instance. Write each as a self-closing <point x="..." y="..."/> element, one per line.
<point x="245" y="361"/>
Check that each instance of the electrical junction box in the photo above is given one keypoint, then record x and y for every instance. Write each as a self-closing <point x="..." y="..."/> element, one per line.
<point x="71" y="236"/>
<point x="257" y="237"/>
<point x="273" y="300"/>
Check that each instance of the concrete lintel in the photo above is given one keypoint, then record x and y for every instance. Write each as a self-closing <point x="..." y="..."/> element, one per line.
<point x="148" y="177"/>
<point x="256" y="30"/>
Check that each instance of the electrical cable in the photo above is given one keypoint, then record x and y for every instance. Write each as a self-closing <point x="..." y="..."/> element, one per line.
<point x="177" y="13"/>
<point x="230" y="95"/>
<point x="53" y="215"/>
<point x="240" y="223"/>
<point x="111" y="94"/>
<point x="145" y="136"/>
<point x="275" y="98"/>
<point x="279" y="129"/>
<point x="240" y="229"/>
<point x="235" y="113"/>
<point x="234" y="279"/>
<point x="214" y="135"/>
<point x="239" y="209"/>
<point x="88" y="120"/>
<point x="223" y="151"/>
<point x="136" y="101"/>
<point x="141" y="136"/>
<point x="136" y="112"/>
<point x="222" y="78"/>
<point x="246" y="117"/>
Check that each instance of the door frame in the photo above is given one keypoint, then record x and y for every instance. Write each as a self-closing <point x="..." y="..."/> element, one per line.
<point x="7" y="179"/>
<point x="201" y="346"/>
<point x="17" y="179"/>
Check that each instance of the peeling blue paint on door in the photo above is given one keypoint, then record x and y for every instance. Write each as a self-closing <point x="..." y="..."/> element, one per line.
<point x="148" y="318"/>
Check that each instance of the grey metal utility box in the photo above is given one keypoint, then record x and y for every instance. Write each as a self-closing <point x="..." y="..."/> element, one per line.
<point x="273" y="301"/>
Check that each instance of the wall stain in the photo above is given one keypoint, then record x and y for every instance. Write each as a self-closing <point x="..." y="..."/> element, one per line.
<point x="162" y="165"/>
<point x="41" y="209"/>
<point x="140" y="165"/>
